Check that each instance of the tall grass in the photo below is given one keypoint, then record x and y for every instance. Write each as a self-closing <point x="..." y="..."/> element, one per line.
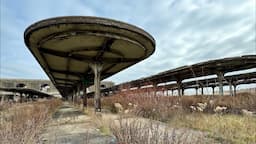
<point x="228" y="127"/>
<point x="159" y="107"/>
<point x="22" y="123"/>
<point x="146" y="100"/>
<point x="139" y="131"/>
<point x="224" y="128"/>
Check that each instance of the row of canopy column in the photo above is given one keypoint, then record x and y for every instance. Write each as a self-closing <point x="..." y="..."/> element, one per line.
<point x="76" y="95"/>
<point x="220" y="77"/>
<point x="232" y="89"/>
<point x="97" y="68"/>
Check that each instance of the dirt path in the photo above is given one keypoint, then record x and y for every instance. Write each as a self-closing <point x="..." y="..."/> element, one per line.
<point x="71" y="126"/>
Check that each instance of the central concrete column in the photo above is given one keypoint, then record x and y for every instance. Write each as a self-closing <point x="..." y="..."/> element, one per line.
<point x="230" y="88"/>
<point x="196" y="91"/>
<point x="202" y="90"/>
<point x="21" y="97"/>
<point x="84" y="96"/>
<point x="213" y="92"/>
<point x="74" y="96"/>
<point x="78" y="94"/>
<point x="14" y="95"/>
<point x="179" y="85"/>
<point x="234" y="85"/>
<point x="97" y="68"/>
<point x="2" y="100"/>
<point x="183" y="91"/>
<point x="172" y="92"/>
<point x="220" y="76"/>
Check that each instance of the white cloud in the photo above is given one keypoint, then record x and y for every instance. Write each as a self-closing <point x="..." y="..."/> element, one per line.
<point x="186" y="31"/>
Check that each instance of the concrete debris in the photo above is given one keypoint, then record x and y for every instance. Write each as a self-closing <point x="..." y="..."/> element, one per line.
<point x="118" y="107"/>
<point x="247" y="113"/>
<point x="220" y="109"/>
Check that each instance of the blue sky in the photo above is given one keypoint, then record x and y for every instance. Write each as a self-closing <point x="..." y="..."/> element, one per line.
<point x="186" y="31"/>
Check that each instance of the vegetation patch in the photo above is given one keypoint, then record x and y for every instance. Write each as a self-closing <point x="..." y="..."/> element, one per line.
<point x="22" y="123"/>
<point x="229" y="128"/>
<point x="226" y="126"/>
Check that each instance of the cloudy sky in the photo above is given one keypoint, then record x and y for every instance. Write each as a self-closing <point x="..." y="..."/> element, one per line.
<point x="186" y="31"/>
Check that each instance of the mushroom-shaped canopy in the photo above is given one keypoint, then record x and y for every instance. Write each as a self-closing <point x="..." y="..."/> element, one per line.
<point x="65" y="47"/>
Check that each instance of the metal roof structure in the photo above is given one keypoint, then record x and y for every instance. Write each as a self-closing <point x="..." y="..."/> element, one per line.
<point x="77" y="49"/>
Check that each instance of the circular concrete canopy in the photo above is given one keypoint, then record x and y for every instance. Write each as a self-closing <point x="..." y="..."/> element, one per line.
<point x="66" y="46"/>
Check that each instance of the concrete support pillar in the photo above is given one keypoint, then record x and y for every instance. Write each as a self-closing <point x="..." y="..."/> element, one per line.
<point x="33" y="98"/>
<point x="179" y="85"/>
<point x="213" y="91"/>
<point x="172" y="92"/>
<point x="196" y="91"/>
<point x="234" y="85"/>
<point x="29" y="97"/>
<point x="26" y="97"/>
<point x="155" y="89"/>
<point x="71" y="97"/>
<point x="78" y="93"/>
<point x="97" y="68"/>
<point x="230" y="88"/>
<point x="84" y="96"/>
<point x="2" y="100"/>
<point x="74" y="96"/>
<point x="202" y="90"/>
<point x="183" y="91"/>
<point x="21" y="97"/>
<point x="220" y="76"/>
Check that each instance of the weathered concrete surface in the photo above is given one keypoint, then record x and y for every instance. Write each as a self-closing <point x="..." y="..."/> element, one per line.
<point x="71" y="126"/>
<point x="66" y="46"/>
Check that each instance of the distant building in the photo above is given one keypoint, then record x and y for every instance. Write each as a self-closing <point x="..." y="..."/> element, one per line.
<point x="45" y="86"/>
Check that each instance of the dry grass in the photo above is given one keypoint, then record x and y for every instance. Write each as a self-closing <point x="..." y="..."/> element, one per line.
<point x="22" y="123"/>
<point x="144" y="131"/>
<point x="135" y="130"/>
<point x="224" y="128"/>
<point x="229" y="127"/>
<point x="162" y="107"/>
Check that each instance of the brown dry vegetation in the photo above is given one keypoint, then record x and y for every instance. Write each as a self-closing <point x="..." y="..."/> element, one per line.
<point x="162" y="107"/>
<point x="227" y="127"/>
<point x="136" y="131"/>
<point x="223" y="128"/>
<point x="22" y="123"/>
